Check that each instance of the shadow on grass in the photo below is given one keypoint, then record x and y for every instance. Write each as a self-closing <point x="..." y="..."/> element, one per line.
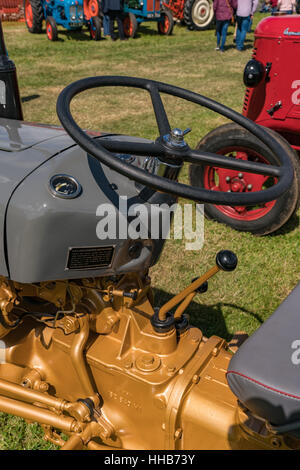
<point x="288" y="227"/>
<point x="25" y="99"/>
<point x="233" y="46"/>
<point x="145" y="30"/>
<point x="80" y="35"/>
<point x="208" y="318"/>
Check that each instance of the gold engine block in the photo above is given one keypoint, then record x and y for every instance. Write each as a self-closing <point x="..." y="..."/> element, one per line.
<point x="82" y="357"/>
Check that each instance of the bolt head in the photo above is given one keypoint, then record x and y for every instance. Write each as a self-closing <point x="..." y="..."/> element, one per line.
<point x="43" y="386"/>
<point x="147" y="360"/>
<point x="177" y="134"/>
<point x="240" y="175"/>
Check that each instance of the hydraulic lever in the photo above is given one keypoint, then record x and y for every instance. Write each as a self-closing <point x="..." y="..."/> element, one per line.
<point x="225" y="260"/>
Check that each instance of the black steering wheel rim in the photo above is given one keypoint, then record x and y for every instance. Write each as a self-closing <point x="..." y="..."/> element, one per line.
<point x="284" y="173"/>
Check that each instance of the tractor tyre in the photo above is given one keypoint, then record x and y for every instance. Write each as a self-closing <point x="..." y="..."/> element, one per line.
<point x="234" y="141"/>
<point x="130" y="25"/>
<point x="34" y="15"/>
<point x="198" y="14"/>
<point x="95" y="28"/>
<point x="51" y="29"/>
<point x="166" y="25"/>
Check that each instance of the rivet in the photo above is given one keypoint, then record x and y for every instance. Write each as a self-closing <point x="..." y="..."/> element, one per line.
<point x="240" y="175"/>
<point x="195" y="379"/>
<point x="249" y="186"/>
<point x="178" y="433"/>
<point x="227" y="179"/>
<point x="215" y="351"/>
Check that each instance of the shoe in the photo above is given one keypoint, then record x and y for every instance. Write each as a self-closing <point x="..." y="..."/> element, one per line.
<point x="113" y="39"/>
<point x="217" y="48"/>
<point x="222" y="50"/>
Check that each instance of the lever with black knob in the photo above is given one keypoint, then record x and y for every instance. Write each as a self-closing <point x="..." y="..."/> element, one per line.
<point x="225" y="260"/>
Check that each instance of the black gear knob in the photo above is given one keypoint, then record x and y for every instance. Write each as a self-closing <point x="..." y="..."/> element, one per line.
<point x="226" y="260"/>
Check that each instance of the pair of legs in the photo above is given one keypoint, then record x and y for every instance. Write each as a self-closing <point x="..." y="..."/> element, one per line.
<point x="116" y="15"/>
<point x="265" y="8"/>
<point x="243" y="25"/>
<point x="105" y="23"/>
<point x="221" y="28"/>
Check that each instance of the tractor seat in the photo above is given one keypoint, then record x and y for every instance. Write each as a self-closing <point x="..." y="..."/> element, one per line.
<point x="265" y="372"/>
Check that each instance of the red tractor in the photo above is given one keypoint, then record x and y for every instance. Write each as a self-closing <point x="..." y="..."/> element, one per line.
<point x="272" y="99"/>
<point x="196" y="14"/>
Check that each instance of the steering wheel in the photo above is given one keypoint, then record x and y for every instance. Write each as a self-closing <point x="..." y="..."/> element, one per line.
<point x="170" y="147"/>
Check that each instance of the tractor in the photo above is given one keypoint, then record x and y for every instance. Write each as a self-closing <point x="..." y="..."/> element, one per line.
<point x="272" y="100"/>
<point x="85" y="351"/>
<point x="195" y="14"/>
<point x="140" y="11"/>
<point x="70" y="14"/>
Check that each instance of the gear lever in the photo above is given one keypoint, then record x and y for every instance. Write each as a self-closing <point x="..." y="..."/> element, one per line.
<point x="225" y="260"/>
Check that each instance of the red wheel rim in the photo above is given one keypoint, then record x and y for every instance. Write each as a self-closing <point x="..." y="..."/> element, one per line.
<point x="164" y="25"/>
<point x="49" y="31"/>
<point x="93" y="8"/>
<point x="221" y="179"/>
<point x="90" y="8"/>
<point x="128" y="27"/>
<point x="28" y="14"/>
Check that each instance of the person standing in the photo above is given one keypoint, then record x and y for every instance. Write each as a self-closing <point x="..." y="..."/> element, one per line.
<point x="224" y="12"/>
<point x="114" y="8"/>
<point x="273" y="6"/>
<point x="244" y="15"/>
<point x="286" y="6"/>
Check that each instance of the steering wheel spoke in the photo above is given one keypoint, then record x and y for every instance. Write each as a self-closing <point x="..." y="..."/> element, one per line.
<point x="159" y="111"/>
<point x="142" y="149"/>
<point x="207" y="158"/>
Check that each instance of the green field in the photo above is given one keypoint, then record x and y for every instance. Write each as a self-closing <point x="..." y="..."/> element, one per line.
<point x="268" y="267"/>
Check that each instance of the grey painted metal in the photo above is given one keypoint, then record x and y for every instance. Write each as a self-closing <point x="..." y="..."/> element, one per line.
<point x="24" y="148"/>
<point x="19" y="135"/>
<point x="42" y="228"/>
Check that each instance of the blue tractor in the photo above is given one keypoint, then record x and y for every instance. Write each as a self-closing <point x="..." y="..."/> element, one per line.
<point x="70" y="14"/>
<point x="139" y="11"/>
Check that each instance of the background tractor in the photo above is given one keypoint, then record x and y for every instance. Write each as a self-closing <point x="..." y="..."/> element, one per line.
<point x="138" y="11"/>
<point x="196" y="14"/>
<point x="70" y="14"/>
<point x="272" y="99"/>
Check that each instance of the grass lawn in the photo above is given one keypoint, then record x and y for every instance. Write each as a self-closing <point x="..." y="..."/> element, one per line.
<point x="268" y="267"/>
